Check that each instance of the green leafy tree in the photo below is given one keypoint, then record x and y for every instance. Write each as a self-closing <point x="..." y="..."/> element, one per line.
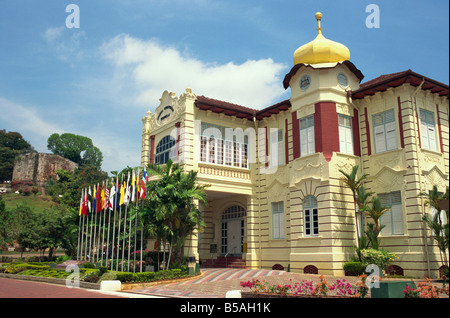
<point x="66" y="188"/>
<point x="11" y="145"/>
<point x="77" y="148"/>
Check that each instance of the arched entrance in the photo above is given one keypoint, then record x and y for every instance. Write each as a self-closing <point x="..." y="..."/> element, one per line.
<point x="233" y="229"/>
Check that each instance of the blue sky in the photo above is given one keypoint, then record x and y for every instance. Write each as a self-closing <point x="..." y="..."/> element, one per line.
<point x="100" y="79"/>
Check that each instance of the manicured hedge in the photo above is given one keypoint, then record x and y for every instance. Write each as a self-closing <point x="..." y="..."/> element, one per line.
<point x="126" y="277"/>
<point x="354" y="268"/>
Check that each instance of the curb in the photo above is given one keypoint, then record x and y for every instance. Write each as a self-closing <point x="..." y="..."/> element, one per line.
<point x="49" y="280"/>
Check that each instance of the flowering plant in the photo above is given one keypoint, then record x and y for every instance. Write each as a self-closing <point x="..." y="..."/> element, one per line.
<point x="322" y="288"/>
<point x="410" y="292"/>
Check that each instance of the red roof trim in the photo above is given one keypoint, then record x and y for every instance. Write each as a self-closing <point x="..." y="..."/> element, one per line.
<point x="230" y="109"/>
<point x="397" y="79"/>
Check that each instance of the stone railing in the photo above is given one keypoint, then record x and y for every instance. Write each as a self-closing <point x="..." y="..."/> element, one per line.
<point x="222" y="171"/>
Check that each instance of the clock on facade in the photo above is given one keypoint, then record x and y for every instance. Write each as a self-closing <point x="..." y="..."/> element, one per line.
<point x="305" y="81"/>
<point x="166" y="112"/>
<point x="342" y="80"/>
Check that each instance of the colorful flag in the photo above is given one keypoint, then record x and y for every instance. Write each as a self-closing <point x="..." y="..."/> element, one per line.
<point x="143" y="193"/>
<point x="84" y="209"/>
<point x="133" y="188"/>
<point x="122" y="193"/>
<point x="99" y="199"/>
<point x="81" y="203"/>
<point x="89" y="201"/>
<point x="106" y="200"/>
<point x="127" y="198"/>
<point x="94" y="200"/>
<point x="103" y="196"/>
<point x="145" y="177"/>
<point x="112" y="196"/>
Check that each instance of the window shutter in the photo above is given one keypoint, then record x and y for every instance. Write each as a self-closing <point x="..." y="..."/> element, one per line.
<point x="303" y="142"/>
<point x="386" y="220"/>
<point x="432" y="138"/>
<point x="397" y="219"/>
<point x="349" y="140"/>
<point x="391" y="136"/>
<point x="425" y="139"/>
<point x="342" y="137"/>
<point x="311" y="145"/>
<point x="380" y="145"/>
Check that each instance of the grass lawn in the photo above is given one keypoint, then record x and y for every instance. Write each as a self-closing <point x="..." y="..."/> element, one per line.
<point x="35" y="202"/>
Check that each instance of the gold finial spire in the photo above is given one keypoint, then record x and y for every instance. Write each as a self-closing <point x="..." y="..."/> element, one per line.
<point x="321" y="50"/>
<point x="318" y="18"/>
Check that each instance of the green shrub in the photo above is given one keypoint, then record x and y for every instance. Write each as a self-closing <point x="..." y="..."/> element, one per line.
<point x="108" y="276"/>
<point x="88" y="265"/>
<point x="354" y="268"/>
<point x="381" y="258"/>
<point x="92" y="277"/>
<point x="125" y="277"/>
<point x="62" y="259"/>
<point x="103" y="270"/>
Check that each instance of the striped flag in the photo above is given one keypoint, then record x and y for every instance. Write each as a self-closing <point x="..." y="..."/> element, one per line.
<point x="81" y="203"/>
<point x="106" y="200"/>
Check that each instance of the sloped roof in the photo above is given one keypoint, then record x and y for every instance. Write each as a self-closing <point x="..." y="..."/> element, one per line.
<point x="230" y="109"/>
<point x="383" y="82"/>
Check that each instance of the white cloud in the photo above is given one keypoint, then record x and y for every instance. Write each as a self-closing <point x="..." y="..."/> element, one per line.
<point x="153" y="68"/>
<point x="66" y="43"/>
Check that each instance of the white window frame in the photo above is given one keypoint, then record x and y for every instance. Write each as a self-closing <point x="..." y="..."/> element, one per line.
<point x="307" y="139"/>
<point x="310" y="216"/>
<point x="220" y="151"/>
<point x="165" y="148"/>
<point x="392" y="219"/>
<point x="276" y="147"/>
<point x="384" y="131"/>
<point x="345" y="134"/>
<point x="428" y="130"/>
<point x="278" y="220"/>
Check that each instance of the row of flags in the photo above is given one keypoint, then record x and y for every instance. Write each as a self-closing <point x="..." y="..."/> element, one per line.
<point x="114" y="195"/>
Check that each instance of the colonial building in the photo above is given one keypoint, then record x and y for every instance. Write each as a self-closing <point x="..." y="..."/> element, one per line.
<point x="276" y="199"/>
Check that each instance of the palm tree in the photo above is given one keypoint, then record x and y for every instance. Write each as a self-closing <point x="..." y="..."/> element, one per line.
<point x="354" y="183"/>
<point x="440" y="231"/>
<point x="375" y="211"/>
<point x="171" y="206"/>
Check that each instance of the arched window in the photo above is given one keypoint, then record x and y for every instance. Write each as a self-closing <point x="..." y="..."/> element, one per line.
<point x="165" y="150"/>
<point x="310" y="216"/>
<point x="233" y="212"/>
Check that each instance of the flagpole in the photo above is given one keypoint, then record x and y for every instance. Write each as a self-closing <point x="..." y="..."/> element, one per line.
<point x="79" y="226"/>
<point x="104" y="219"/>
<point x="132" y="199"/>
<point x="125" y="220"/>
<point x="109" y="223"/>
<point x="118" y="231"/>
<point x="114" y="222"/>
<point x="135" y="235"/>
<point x="82" y="238"/>
<point x="86" y="232"/>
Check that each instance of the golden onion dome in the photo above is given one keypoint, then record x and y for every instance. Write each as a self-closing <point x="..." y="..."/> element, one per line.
<point x="321" y="50"/>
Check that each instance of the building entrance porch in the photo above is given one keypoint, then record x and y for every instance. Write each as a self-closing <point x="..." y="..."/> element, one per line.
<point x="223" y="243"/>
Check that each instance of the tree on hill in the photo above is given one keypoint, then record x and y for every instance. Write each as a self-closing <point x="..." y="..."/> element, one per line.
<point x="11" y="145"/>
<point x="77" y="148"/>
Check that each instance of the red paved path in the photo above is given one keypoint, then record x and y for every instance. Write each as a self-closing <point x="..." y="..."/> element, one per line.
<point x="13" y="288"/>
